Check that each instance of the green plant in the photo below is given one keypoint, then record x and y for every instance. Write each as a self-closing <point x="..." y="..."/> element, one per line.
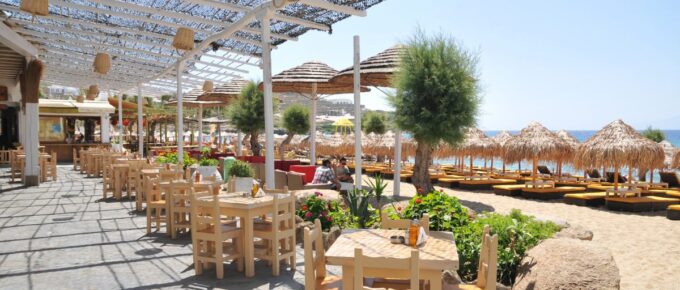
<point x="296" y="121"/>
<point x="517" y="233"/>
<point x="315" y="207"/>
<point x="374" y="122"/>
<point x="446" y="212"/>
<point x="357" y="202"/>
<point x="437" y="96"/>
<point x="377" y="187"/>
<point x="208" y="162"/>
<point x="655" y="135"/>
<point x="247" y="114"/>
<point x="241" y="169"/>
<point x="205" y="152"/>
<point x="171" y="158"/>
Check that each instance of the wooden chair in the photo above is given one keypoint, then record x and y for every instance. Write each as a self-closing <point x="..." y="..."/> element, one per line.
<point x="279" y="234"/>
<point x="210" y="233"/>
<point x="156" y="207"/>
<point x="51" y="167"/>
<point x="315" y="261"/>
<point x="487" y="267"/>
<point x="76" y="160"/>
<point x="169" y="175"/>
<point x="134" y="181"/>
<point x="16" y="165"/>
<point x="386" y="267"/>
<point x="82" y="160"/>
<point x="107" y="176"/>
<point x="179" y="199"/>
<point x="402" y="224"/>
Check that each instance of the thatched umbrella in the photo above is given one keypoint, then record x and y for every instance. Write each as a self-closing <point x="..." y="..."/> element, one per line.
<point x="477" y="144"/>
<point x="190" y="100"/>
<point x="501" y="138"/>
<point x="310" y="79"/>
<point x="573" y="142"/>
<point x="616" y="145"/>
<point x="375" y="71"/>
<point x="535" y="142"/>
<point x="224" y="93"/>
<point x="676" y="160"/>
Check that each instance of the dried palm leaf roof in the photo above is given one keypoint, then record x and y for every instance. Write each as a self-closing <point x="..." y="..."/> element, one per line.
<point x="535" y="142"/>
<point x="376" y="70"/>
<point x="190" y="101"/>
<point x="669" y="153"/>
<point x="225" y="92"/>
<point x="477" y="143"/>
<point x="300" y="79"/>
<point x="676" y="159"/>
<point x="501" y="138"/>
<point x="139" y="34"/>
<point x="617" y="145"/>
<point x="573" y="142"/>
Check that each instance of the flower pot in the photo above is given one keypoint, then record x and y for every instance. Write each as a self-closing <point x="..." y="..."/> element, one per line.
<point x="117" y="148"/>
<point x="243" y="184"/>
<point x="207" y="171"/>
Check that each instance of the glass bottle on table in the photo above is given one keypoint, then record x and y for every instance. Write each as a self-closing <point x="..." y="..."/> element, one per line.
<point x="413" y="233"/>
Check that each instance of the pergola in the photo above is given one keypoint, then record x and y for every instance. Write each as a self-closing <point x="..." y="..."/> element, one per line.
<point x="138" y="35"/>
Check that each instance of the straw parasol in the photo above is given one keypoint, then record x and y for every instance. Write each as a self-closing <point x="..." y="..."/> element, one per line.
<point x="224" y="93"/>
<point x="477" y="144"/>
<point x="676" y="160"/>
<point x="501" y="138"/>
<point x="573" y="142"/>
<point x="616" y="145"/>
<point x="376" y="70"/>
<point x="535" y="142"/>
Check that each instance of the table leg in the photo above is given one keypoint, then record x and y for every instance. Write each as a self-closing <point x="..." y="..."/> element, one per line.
<point x="248" y="245"/>
<point x="347" y="277"/>
<point x="168" y="214"/>
<point x="435" y="278"/>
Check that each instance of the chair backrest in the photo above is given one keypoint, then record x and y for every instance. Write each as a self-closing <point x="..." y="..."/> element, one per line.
<point x="544" y="169"/>
<point x="205" y="210"/>
<point x="283" y="211"/>
<point x="181" y="194"/>
<point x="315" y="255"/>
<point x="388" y="223"/>
<point x="671" y="178"/>
<point x="295" y="180"/>
<point x="281" y="179"/>
<point x="594" y="173"/>
<point x="152" y="188"/>
<point x="169" y="175"/>
<point x="391" y="267"/>
<point x="488" y="259"/>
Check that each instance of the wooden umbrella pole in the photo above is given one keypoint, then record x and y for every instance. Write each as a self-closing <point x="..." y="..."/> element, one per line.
<point x="651" y="175"/>
<point x="630" y="173"/>
<point x="471" y="165"/>
<point x="491" y="163"/>
<point x="616" y="177"/>
<point x="534" y="169"/>
<point x="503" y="166"/>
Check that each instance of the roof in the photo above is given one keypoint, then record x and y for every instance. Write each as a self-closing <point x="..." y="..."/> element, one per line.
<point x="224" y="92"/>
<point x="138" y="36"/>
<point x="302" y="78"/>
<point x="376" y="70"/>
<point x="73" y="108"/>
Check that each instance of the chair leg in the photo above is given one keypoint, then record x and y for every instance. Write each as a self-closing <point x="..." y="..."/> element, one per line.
<point x="148" y="217"/>
<point x="219" y="264"/>
<point x="276" y="260"/>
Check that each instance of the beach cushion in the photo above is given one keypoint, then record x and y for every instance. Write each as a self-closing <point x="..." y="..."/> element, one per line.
<point x="644" y="199"/>
<point x="555" y="189"/>
<point x="674" y="207"/>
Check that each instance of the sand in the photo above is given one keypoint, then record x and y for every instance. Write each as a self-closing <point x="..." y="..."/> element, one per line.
<point x="645" y="246"/>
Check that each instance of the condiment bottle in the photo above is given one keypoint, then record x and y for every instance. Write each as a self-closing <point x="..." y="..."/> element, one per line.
<point x="198" y="177"/>
<point x="413" y="232"/>
<point x="254" y="190"/>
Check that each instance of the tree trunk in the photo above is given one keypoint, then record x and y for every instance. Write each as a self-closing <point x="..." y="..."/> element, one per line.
<point x="285" y="142"/>
<point x="421" y="174"/>
<point x="254" y="145"/>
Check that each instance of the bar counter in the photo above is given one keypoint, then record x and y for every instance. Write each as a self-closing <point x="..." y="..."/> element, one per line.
<point x="65" y="151"/>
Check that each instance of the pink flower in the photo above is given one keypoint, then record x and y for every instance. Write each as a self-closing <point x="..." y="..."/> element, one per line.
<point x="418" y="201"/>
<point x="318" y="193"/>
<point x="421" y="191"/>
<point x="308" y="215"/>
<point x="324" y="213"/>
<point x="329" y="218"/>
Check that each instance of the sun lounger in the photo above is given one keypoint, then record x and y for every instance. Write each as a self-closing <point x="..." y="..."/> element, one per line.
<point x="638" y="204"/>
<point x="673" y="212"/>
<point x="483" y="184"/>
<point x="508" y="189"/>
<point x="550" y="192"/>
<point x="450" y="181"/>
<point x="542" y="169"/>
<point x="571" y="183"/>
<point x="593" y="199"/>
<point x="610" y="177"/>
<point x="670" y="178"/>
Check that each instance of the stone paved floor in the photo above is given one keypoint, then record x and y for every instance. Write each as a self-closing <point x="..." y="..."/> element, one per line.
<point x="61" y="235"/>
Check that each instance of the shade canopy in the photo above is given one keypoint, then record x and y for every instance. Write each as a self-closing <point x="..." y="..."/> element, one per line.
<point x="617" y="145"/>
<point x="343" y="122"/>
<point x="190" y="100"/>
<point x="573" y="142"/>
<point x="501" y="139"/>
<point x="676" y="160"/>
<point x="536" y="142"/>
<point x="302" y="78"/>
<point x="478" y="144"/>
<point x="375" y="71"/>
<point x="225" y="93"/>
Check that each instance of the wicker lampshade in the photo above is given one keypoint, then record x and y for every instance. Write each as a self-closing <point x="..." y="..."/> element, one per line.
<point x="35" y="7"/>
<point x="184" y="39"/>
<point x="208" y="86"/>
<point x="81" y="99"/>
<point x="102" y="63"/>
<point x="93" y="90"/>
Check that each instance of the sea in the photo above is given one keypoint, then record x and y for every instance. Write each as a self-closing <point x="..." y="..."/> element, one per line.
<point x="672" y="136"/>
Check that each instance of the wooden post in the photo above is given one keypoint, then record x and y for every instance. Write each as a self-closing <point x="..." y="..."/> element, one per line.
<point x="534" y="169"/>
<point x="140" y="122"/>
<point x="357" y="113"/>
<point x="471" y="170"/>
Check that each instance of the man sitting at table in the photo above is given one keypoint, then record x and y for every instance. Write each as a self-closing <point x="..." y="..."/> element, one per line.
<point x="324" y="174"/>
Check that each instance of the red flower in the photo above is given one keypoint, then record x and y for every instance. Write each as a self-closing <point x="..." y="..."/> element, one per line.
<point x="399" y="208"/>
<point x="308" y="214"/>
<point x="329" y="218"/>
<point x="421" y="191"/>
<point x="126" y="122"/>
<point x="418" y="201"/>
<point x="305" y="207"/>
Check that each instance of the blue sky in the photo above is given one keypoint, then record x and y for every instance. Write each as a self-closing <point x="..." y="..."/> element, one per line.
<point x="567" y="64"/>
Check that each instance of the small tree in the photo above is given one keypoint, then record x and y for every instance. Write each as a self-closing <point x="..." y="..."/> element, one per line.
<point x="295" y="121"/>
<point x="437" y="97"/>
<point x="247" y="114"/>
<point x="655" y="135"/>
<point x="374" y="123"/>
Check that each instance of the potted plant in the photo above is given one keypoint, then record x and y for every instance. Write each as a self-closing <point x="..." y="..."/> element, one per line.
<point x="116" y="146"/>
<point x="242" y="174"/>
<point x="208" y="167"/>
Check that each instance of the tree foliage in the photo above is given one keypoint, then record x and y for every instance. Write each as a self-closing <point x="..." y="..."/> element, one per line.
<point x="247" y="114"/>
<point x="374" y="122"/>
<point x="437" y="96"/>
<point x="655" y="135"/>
<point x="296" y="119"/>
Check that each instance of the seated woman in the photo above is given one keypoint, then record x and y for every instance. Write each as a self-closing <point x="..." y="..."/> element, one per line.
<point x="342" y="171"/>
<point x="324" y="174"/>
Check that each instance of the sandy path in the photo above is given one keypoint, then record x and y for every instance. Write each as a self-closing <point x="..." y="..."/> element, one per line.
<point x="646" y="247"/>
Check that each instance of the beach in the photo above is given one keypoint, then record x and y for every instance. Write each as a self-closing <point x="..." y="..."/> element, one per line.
<point x="645" y="246"/>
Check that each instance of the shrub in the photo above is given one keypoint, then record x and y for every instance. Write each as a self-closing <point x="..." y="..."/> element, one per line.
<point x="517" y="233"/>
<point x="446" y="212"/>
<point x="171" y="158"/>
<point x="655" y="135"/>
<point x="208" y="162"/>
<point x="241" y="169"/>
<point x="316" y="208"/>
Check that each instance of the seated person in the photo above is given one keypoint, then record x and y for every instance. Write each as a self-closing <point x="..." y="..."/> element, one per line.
<point x="342" y="171"/>
<point x="324" y="174"/>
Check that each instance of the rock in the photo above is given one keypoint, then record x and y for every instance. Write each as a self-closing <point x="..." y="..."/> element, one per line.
<point x="298" y="219"/>
<point x="575" y="232"/>
<point x="330" y="237"/>
<point x="300" y="230"/>
<point x="567" y="264"/>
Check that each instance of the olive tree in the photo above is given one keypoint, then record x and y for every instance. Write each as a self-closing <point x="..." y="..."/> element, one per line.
<point x="374" y="123"/>
<point x="437" y="97"/>
<point x="296" y="121"/>
<point x="247" y="114"/>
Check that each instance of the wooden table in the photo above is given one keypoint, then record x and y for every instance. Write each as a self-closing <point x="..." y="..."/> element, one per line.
<point x="42" y="163"/>
<point x="439" y="253"/>
<point x="234" y="204"/>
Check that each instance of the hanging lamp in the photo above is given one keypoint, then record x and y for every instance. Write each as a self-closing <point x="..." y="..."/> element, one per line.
<point x="184" y="39"/>
<point x="102" y="63"/>
<point x="35" y="7"/>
